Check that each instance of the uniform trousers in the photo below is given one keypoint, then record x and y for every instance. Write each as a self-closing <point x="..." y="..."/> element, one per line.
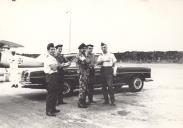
<point x="61" y="88"/>
<point x="90" y="84"/>
<point x="52" y="91"/>
<point x="107" y="83"/>
<point x="83" y="80"/>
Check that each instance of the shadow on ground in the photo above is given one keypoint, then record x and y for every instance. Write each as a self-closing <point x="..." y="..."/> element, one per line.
<point x="41" y="95"/>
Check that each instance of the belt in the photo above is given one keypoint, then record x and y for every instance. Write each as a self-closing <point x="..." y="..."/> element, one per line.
<point x="52" y="73"/>
<point x="106" y="67"/>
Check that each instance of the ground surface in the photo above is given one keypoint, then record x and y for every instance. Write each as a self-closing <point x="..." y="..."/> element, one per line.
<point x="158" y="105"/>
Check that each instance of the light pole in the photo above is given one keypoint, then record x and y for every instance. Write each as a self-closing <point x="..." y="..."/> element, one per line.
<point x="69" y="13"/>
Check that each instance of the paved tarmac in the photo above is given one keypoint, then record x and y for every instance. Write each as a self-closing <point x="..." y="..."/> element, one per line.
<point x="158" y="105"/>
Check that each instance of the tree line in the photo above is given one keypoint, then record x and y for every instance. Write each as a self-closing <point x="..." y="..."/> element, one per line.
<point x="150" y="57"/>
<point x="142" y="57"/>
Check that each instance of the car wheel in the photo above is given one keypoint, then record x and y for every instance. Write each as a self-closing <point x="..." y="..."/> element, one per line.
<point x="136" y="84"/>
<point x="67" y="88"/>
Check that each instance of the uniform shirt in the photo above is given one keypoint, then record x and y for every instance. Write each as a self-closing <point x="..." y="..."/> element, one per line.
<point x="49" y="60"/>
<point x="82" y="64"/>
<point x="61" y="59"/>
<point x="107" y="57"/>
<point x="90" y="58"/>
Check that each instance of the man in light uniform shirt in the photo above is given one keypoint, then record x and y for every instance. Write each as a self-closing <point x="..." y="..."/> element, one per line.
<point x="107" y="61"/>
<point x="52" y="78"/>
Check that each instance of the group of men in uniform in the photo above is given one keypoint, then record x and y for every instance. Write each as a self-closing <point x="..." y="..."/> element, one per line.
<point x="55" y="63"/>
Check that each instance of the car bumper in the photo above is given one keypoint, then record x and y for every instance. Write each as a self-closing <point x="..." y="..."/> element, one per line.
<point x="148" y="79"/>
<point x="31" y="85"/>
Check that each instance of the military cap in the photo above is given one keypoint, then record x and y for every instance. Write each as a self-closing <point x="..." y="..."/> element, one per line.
<point x="89" y="45"/>
<point x="59" y="45"/>
<point x="81" y="46"/>
<point x="102" y="44"/>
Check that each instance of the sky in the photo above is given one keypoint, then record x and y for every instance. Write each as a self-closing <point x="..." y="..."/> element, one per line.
<point x="125" y="25"/>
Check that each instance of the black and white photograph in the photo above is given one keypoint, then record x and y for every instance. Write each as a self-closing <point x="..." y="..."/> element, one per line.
<point x="91" y="63"/>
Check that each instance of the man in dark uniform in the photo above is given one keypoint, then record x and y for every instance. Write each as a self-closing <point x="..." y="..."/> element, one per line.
<point x="62" y="60"/>
<point x="52" y="78"/>
<point x="83" y="75"/>
<point x="90" y="58"/>
<point x="107" y="61"/>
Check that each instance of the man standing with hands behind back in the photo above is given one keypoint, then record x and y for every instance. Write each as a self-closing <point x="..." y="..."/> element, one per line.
<point x="90" y="58"/>
<point x="107" y="61"/>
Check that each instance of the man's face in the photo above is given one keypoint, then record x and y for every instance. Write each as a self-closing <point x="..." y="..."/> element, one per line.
<point x="90" y="49"/>
<point x="82" y="50"/>
<point x="51" y="51"/>
<point x="104" y="48"/>
<point x="59" y="50"/>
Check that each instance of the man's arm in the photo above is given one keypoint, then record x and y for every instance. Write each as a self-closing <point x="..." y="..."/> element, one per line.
<point x="54" y="66"/>
<point x="114" y="65"/>
<point x="100" y="61"/>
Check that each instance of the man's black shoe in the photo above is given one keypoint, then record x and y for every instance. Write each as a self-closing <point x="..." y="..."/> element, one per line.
<point x="50" y="114"/>
<point x="93" y="102"/>
<point x="60" y="103"/>
<point x="56" y="111"/>
<point x="88" y="103"/>
<point x="13" y="86"/>
<point x="16" y="86"/>
<point x="113" y="104"/>
<point x="82" y="105"/>
<point x="105" y="102"/>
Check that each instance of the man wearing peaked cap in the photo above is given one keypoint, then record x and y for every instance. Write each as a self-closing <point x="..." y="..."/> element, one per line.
<point x="65" y="63"/>
<point x="89" y="45"/>
<point x="107" y="61"/>
<point x="59" y="45"/>
<point x="102" y="44"/>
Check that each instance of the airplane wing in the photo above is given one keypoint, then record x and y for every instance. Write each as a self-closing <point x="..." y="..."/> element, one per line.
<point x="8" y="44"/>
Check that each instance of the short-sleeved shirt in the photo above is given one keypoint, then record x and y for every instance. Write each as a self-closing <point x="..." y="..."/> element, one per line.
<point x="49" y="60"/>
<point x="107" y="56"/>
<point x="90" y="58"/>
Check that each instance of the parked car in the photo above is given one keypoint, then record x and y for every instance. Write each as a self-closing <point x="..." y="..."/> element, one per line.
<point x="132" y="76"/>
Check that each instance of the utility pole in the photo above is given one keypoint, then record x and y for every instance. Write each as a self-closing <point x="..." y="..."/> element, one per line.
<point x="70" y="21"/>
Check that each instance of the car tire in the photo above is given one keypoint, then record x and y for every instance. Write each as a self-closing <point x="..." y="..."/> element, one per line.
<point x="136" y="84"/>
<point x="67" y="88"/>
